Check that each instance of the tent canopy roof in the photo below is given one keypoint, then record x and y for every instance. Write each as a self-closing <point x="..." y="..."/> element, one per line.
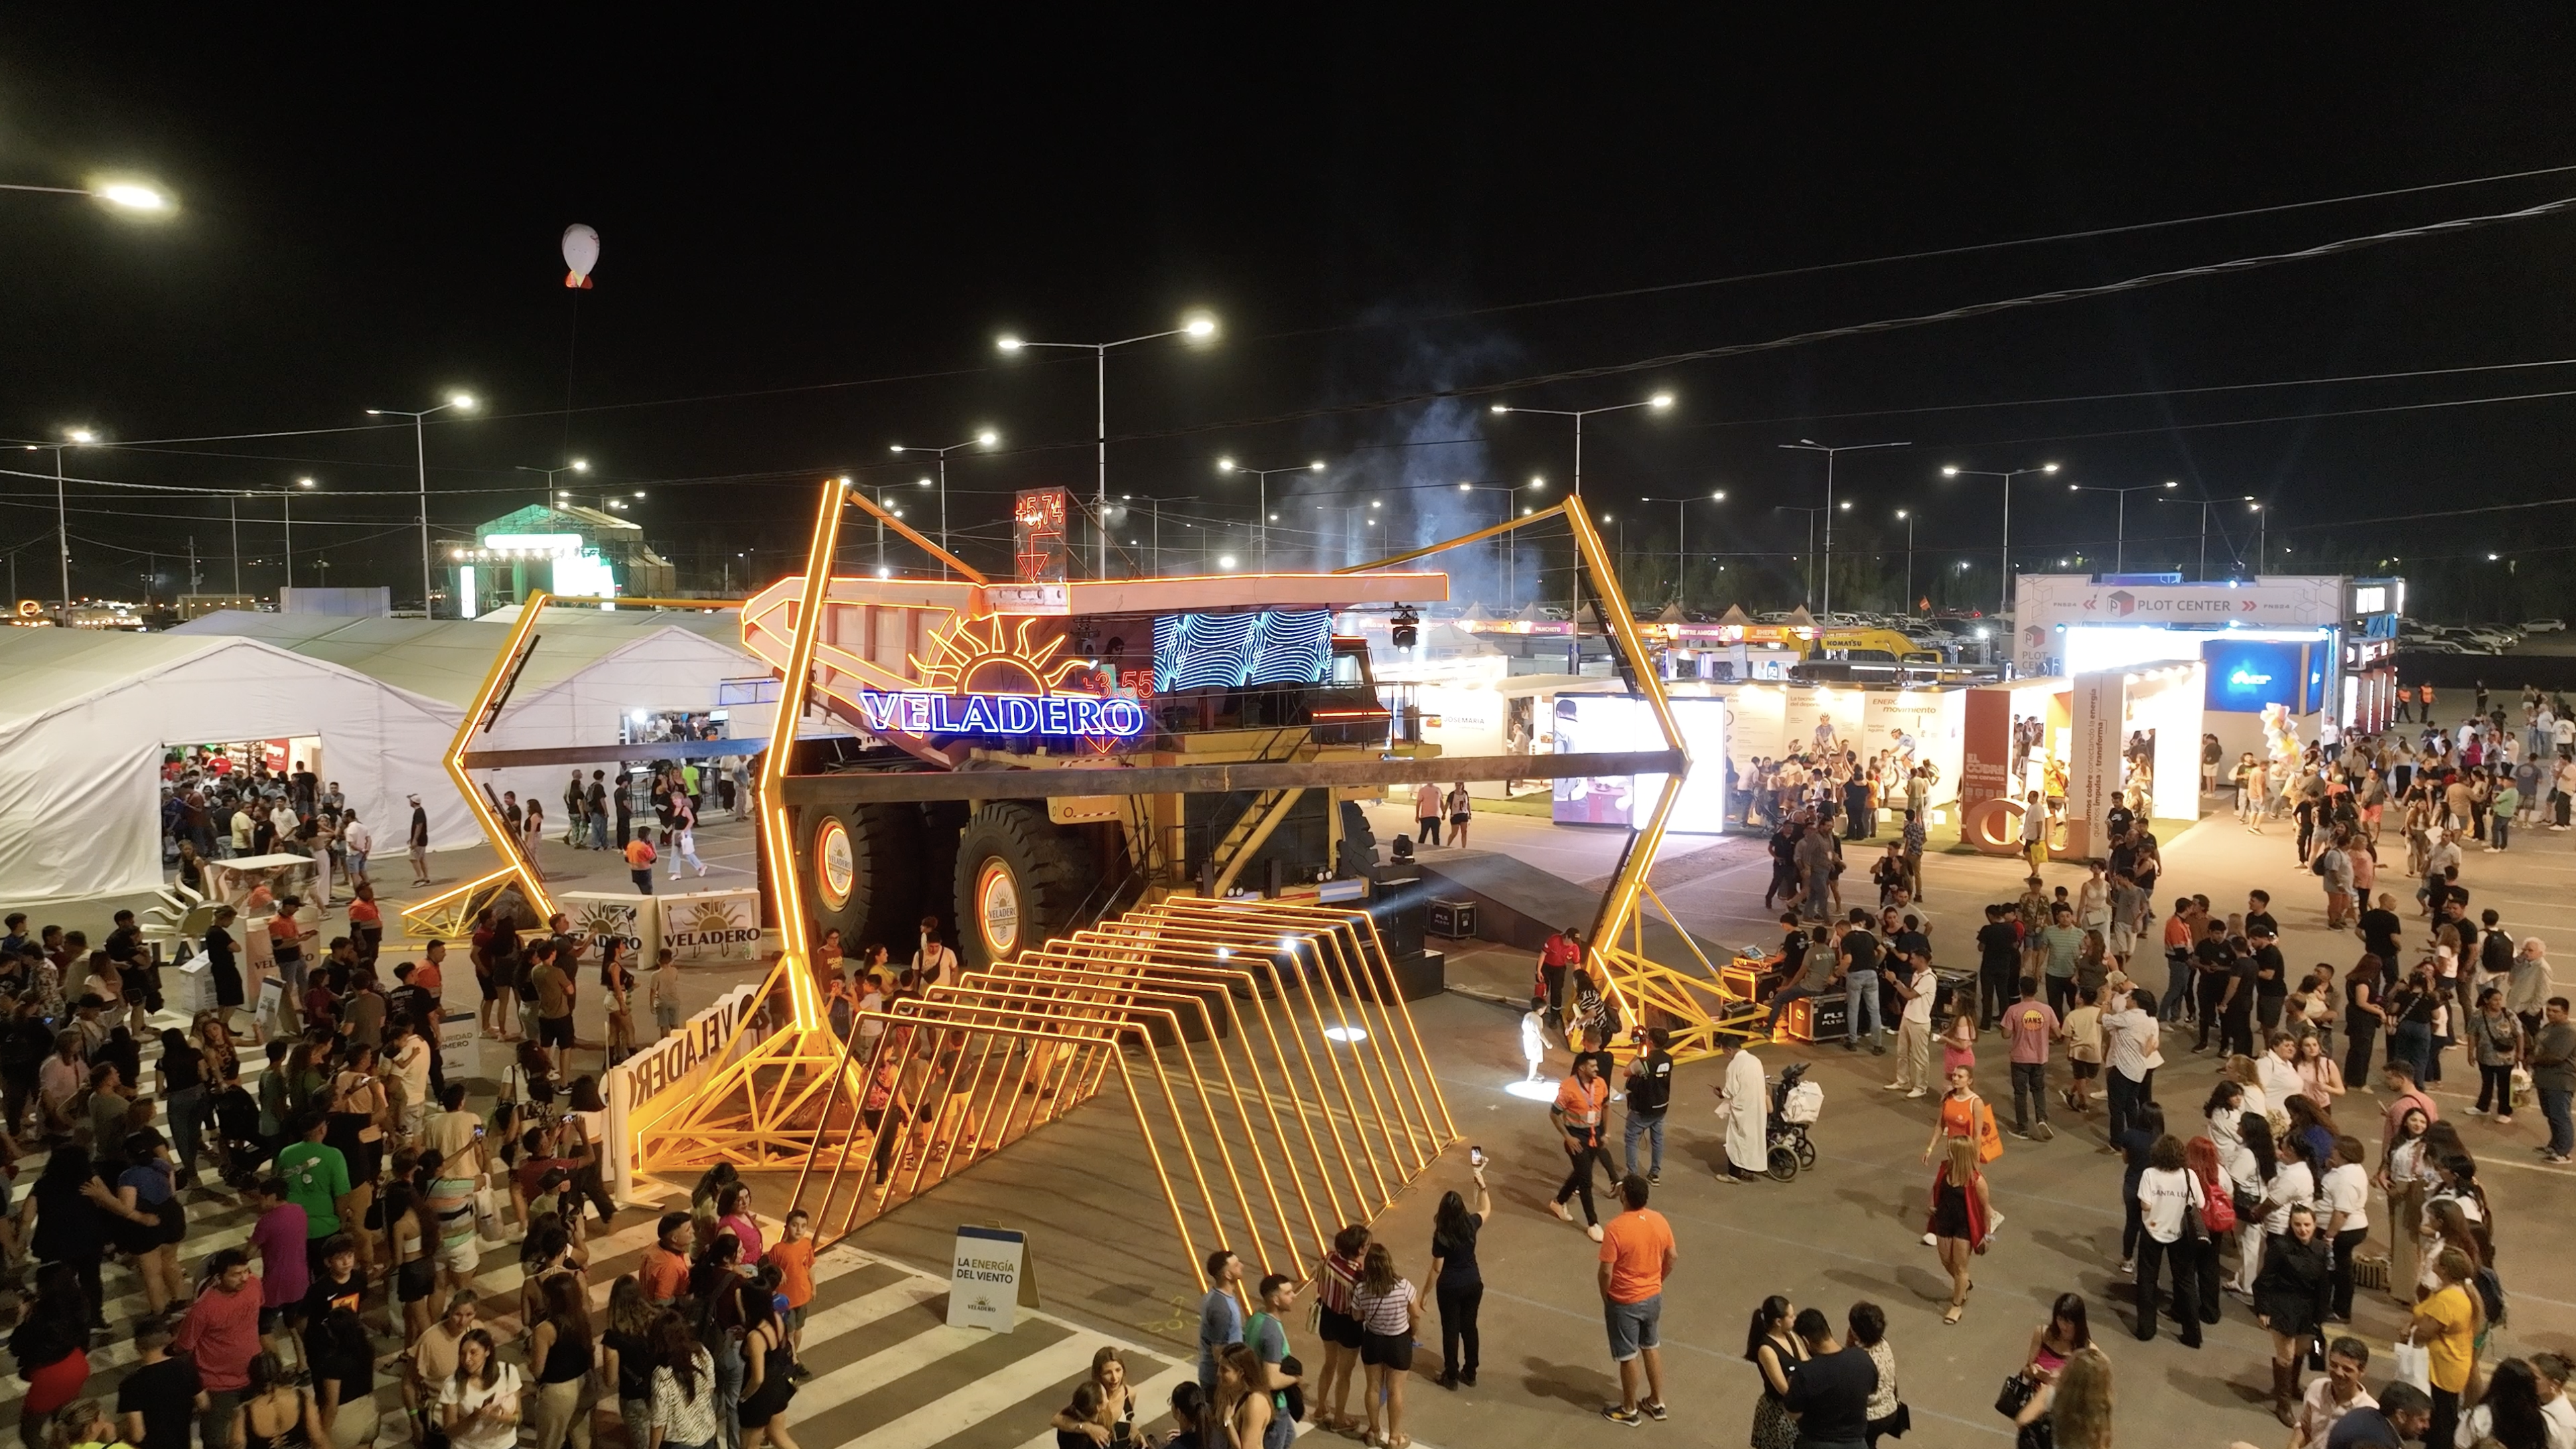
<point x="448" y="659"/>
<point x="50" y="670"/>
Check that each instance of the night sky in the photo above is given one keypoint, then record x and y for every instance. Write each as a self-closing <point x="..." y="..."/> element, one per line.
<point x="813" y="236"/>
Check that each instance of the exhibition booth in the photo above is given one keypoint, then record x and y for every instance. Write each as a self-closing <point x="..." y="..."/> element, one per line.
<point x="2318" y="646"/>
<point x="2083" y="743"/>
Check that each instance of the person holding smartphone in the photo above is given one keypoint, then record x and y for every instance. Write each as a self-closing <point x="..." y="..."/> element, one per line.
<point x="1457" y="1285"/>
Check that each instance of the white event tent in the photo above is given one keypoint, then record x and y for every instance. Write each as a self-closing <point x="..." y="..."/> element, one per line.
<point x="590" y="669"/>
<point x="85" y="715"/>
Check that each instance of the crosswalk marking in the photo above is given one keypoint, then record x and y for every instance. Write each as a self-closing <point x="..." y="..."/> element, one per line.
<point x="1067" y="1357"/>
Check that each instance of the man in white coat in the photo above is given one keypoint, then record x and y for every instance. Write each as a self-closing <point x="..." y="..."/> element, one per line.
<point x="1742" y="1105"/>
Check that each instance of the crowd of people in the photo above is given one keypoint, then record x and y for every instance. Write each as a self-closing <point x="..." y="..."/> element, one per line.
<point x="2249" y="1186"/>
<point x="374" y="1197"/>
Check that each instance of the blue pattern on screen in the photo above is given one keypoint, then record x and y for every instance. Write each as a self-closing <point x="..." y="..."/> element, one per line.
<point x="1226" y="651"/>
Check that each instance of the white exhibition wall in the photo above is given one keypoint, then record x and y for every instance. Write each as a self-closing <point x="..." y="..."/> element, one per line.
<point x="667" y="669"/>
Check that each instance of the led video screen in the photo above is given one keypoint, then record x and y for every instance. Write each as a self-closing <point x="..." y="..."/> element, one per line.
<point x="1608" y="723"/>
<point x="1229" y="651"/>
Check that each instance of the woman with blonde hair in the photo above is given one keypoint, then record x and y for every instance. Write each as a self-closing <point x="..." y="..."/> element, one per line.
<point x="1959" y="1219"/>
<point x="2447" y="1323"/>
<point x="2076" y="1403"/>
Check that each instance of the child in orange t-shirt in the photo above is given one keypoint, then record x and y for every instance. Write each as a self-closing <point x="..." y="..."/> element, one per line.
<point x="793" y="1257"/>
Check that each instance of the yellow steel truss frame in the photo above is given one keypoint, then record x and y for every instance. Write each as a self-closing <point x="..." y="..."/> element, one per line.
<point x="1696" y="1007"/>
<point x="1192" y="1002"/>
<point x="449" y="915"/>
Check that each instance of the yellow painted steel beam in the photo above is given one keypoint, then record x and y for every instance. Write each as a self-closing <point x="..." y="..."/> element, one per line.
<point x="898" y="525"/>
<point x="777" y="842"/>
<point x="505" y="666"/>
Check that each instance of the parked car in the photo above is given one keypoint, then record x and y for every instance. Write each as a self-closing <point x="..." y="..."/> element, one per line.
<point x="2544" y="626"/>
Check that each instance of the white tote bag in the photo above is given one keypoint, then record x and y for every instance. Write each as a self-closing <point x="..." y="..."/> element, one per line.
<point x="2414" y="1365"/>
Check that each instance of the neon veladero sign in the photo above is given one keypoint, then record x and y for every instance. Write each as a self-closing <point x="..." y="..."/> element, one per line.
<point x="923" y="712"/>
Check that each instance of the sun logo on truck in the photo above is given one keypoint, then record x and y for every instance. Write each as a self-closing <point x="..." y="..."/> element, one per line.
<point x="989" y="656"/>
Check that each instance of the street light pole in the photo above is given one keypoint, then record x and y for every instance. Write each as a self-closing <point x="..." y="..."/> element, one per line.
<point x="462" y="402"/>
<point x="1810" y="445"/>
<point x="1681" y="542"/>
<point x="1197" y="329"/>
<point x="1660" y="402"/>
<point x="577" y="465"/>
<point x="2120" y="534"/>
<point x="1261" y="477"/>
<point x="2003" y="555"/>
<point x="286" y="502"/>
<point x="72" y="437"/>
<point x="1908" y="515"/>
<point x="984" y="438"/>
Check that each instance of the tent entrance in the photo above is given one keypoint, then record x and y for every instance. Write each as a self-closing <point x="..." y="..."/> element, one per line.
<point x="654" y="726"/>
<point x="220" y="774"/>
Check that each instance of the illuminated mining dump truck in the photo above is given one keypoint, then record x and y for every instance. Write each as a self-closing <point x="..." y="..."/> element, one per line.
<point x="1029" y="758"/>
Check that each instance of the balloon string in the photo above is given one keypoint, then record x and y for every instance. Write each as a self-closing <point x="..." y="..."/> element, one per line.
<point x="572" y="355"/>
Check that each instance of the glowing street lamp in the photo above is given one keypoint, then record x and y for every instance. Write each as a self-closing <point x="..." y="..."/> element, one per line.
<point x="72" y="437"/>
<point x="1261" y="476"/>
<point x="1196" y="329"/>
<point x="984" y="438"/>
<point x="1661" y="402"/>
<point x="577" y="465"/>
<point x="138" y="197"/>
<point x="462" y="402"/>
<point x="1681" y="541"/>
<point x="2120" y="543"/>
<point x="2003" y="552"/>
<point x="1810" y="445"/>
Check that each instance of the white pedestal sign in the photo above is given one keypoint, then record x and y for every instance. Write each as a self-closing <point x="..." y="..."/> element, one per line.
<point x="984" y="1279"/>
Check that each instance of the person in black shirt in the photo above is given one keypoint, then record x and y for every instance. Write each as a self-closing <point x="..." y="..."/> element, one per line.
<point x="1998" y="962"/>
<point x="2215" y="963"/>
<point x="2271" y="980"/>
<point x="1784" y="864"/>
<point x="2379" y="929"/>
<point x="2258" y="914"/>
<point x="1650" y="1091"/>
<point x="1830" y="1391"/>
<point x="2236" y="1001"/>
<point x="1793" y="950"/>
<point x="1857" y="954"/>
<point x="158" y="1401"/>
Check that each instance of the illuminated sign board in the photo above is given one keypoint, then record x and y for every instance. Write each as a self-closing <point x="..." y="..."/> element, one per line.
<point x="584" y="576"/>
<point x="2246" y="674"/>
<point x="533" y="542"/>
<point x="923" y="712"/>
<point x="1038" y="553"/>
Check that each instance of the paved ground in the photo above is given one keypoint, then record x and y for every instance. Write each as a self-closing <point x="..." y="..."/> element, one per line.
<point x="889" y="1373"/>
<point x="1849" y="1229"/>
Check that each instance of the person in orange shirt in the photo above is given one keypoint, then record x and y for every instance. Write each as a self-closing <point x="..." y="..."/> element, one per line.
<point x="793" y="1257"/>
<point x="1582" y="1100"/>
<point x="1637" y="1255"/>
<point x="2181" y="929"/>
<point x="639" y="860"/>
<point x="664" y="1272"/>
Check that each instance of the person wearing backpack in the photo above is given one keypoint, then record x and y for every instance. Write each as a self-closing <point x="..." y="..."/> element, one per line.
<point x="1282" y="1374"/>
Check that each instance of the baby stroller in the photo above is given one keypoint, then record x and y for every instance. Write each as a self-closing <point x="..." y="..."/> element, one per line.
<point x="1796" y="1103"/>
